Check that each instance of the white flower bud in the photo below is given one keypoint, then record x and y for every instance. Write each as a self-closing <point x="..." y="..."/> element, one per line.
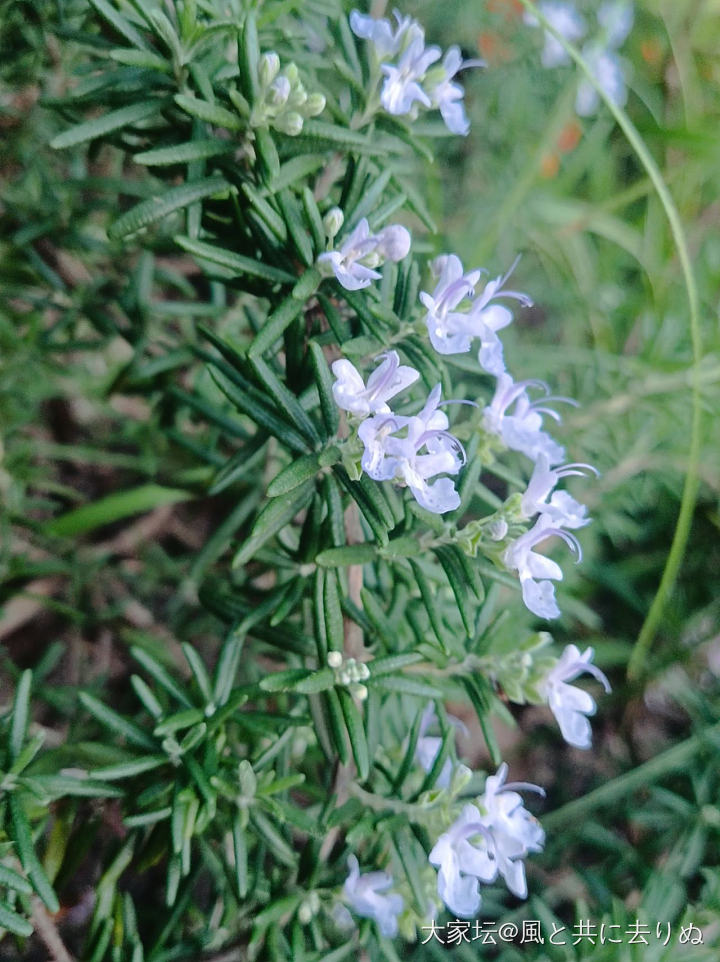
<point x="333" y="221"/>
<point x="394" y="242"/>
<point x="268" y="67"/>
<point x="279" y="92"/>
<point x="360" y="692"/>
<point x="334" y="659"/>
<point x="290" y="123"/>
<point x="314" y="105"/>
<point x="291" y="72"/>
<point x="498" y="529"/>
<point x="298" y="97"/>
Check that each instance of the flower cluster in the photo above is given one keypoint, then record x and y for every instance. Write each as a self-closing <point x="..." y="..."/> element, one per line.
<point x="411" y="80"/>
<point x="487" y="840"/>
<point x="491" y="836"/>
<point x="284" y="103"/>
<point x="614" y="20"/>
<point x="410" y="450"/>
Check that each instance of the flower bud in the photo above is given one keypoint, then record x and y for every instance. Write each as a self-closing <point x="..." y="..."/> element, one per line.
<point x="298" y="97"/>
<point x="394" y="242"/>
<point x="360" y="692"/>
<point x="334" y="659"/>
<point x="333" y="221"/>
<point x="498" y="529"/>
<point x="268" y="68"/>
<point x="290" y="123"/>
<point x="314" y="105"/>
<point x="291" y="72"/>
<point x="279" y="91"/>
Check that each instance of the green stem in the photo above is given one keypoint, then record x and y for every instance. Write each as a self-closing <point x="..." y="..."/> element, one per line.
<point x="671" y="760"/>
<point x="636" y="664"/>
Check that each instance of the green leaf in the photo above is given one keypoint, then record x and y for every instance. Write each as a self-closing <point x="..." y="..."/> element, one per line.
<point x="12" y="922"/>
<point x="267" y="213"/>
<point x="184" y="153"/>
<point x="275" y="841"/>
<point x="114" y="508"/>
<point x="352" y="554"/>
<point x="58" y="786"/>
<point x="429" y="601"/>
<point x="122" y="770"/>
<point x="333" y="713"/>
<point x="296" y="473"/>
<point x="156" y="208"/>
<point x="267" y="154"/>
<point x="99" y="126"/>
<point x="199" y="671"/>
<point x="116" y="723"/>
<point x="285" y="400"/>
<point x="314" y="220"/>
<point x="368" y="200"/>
<point x="142" y="59"/>
<point x="161" y="675"/>
<point x="392" y="663"/>
<point x="273" y="517"/>
<point x="285" y="680"/>
<point x="333" y="613"/>
<point x="481" y="703"/>
<point x="405" y="686"/>
<point x="237" y="263"/>
<point x="20" y="715"/>
<point x="283" y="315"/>
<point x="123" y="26"/>
<point x="356" y="733"/>
<point x="342" y="137"/>
<point x="14" y="880"/>
<point x="296" y="227"/>
<point x="367" y="504"/>
<point x="248" y="48"/>
<point x="324" y="383"/>
<point x="317" y="681"/>
<point x="240" y="850"/>
<point x="26" y="851"/>
<point x="211" y="113"/>
<point x="461" y="579"/>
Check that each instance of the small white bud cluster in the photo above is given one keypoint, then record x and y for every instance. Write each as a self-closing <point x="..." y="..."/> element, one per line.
<point x="284" y="102"/>
<point x="349" y="673"/>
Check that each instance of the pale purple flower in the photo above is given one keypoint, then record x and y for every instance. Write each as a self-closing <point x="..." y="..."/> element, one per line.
<point x="486" y="840"/>
<point x="607" y="70"/>
<point x="402" y="89"/>
<point x="353" y="265"/>
<point x="487" y="318"/>
<point x="514" y="831"/>
<point x="386" y="381"/>
<point x="380" y="32"/>
<point x="517" y="420"/>
<point x="447" y="96"/>
<point x="412" y="450"/>
<point x="364" y="893"/>
<point x="461" y="864"/>
<point x="535" y="571"/>
<point x="569" y="705"/>
<point x="569" y="24"/>
<point x="616" y="18"/>
<point x="541" y="498"/>
<point x="452" y="331"/>
<point x="445" y="325"/>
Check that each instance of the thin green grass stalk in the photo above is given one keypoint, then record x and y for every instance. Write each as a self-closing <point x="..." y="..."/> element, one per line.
<point x="677" y="757"/>
<point x="690" y="487"/>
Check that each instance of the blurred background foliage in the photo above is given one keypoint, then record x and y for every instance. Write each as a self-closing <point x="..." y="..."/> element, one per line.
<point x="79" y="422"/>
